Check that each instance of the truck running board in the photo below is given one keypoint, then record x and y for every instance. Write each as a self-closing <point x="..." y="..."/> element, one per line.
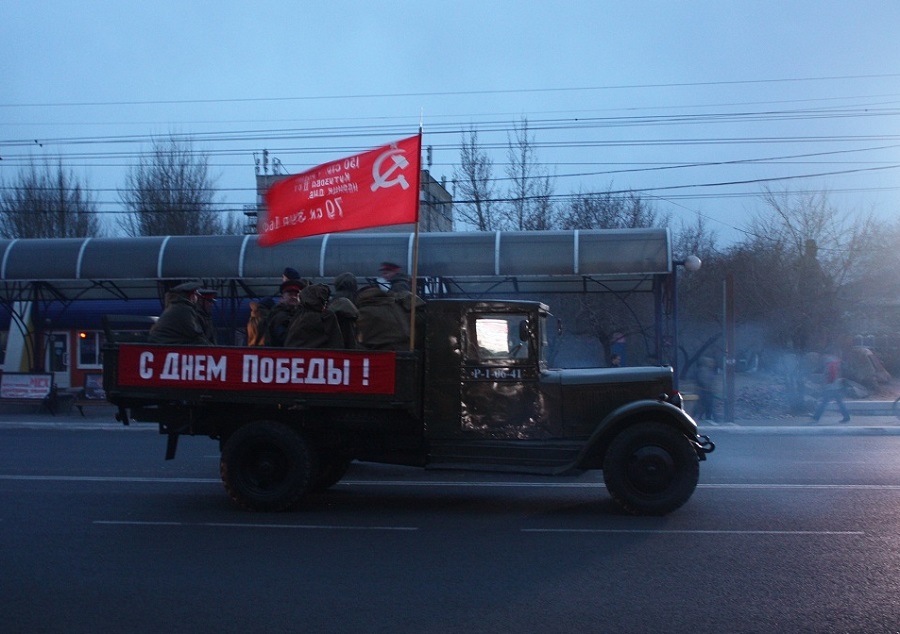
<point x="544" y="458"/>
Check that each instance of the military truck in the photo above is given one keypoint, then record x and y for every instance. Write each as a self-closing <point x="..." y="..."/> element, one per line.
<point x="476" y="394"/>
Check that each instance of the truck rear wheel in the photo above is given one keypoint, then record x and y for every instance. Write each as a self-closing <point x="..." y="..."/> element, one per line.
<point x="266" y="466"/>
<point x="651" y="469"/>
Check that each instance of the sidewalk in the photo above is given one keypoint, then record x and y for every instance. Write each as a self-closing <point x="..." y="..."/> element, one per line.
<point x="866" y="418"/>
<point x="95" y="416"/>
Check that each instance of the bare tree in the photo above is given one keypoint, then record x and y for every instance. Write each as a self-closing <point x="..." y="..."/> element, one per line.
<point x="882" y="263"/>
<point x="543" y="214"/>
<point x="795" y="219"/>
<point x="474" y="194"/>
<point x="47" y="202"/>
<point x="803" y="267"/>
<point x="877" y="313"/>
<point x="609" y="210"/>
<point x="170" y="192"/>
<point x="531" y="190"/>
<point x="697" y="239"/>
<point x="699" y="294"/>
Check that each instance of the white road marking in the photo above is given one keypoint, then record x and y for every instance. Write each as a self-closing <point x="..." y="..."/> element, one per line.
<point x="155" y="480"/>
<point x="451" y="483"/>
<point x="328" y="527"/>
<point x="686" y="531"/>
<point x="862" y="487"/>
<point x="609" y="531"/>
<point x="600" y="485"/>
<point x="419" y="483"/>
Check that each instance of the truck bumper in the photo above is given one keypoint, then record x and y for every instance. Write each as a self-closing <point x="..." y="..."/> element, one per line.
<point x="704" y="445"/>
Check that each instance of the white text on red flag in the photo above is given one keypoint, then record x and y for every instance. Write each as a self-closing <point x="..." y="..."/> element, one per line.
<point x="376" y="188"/>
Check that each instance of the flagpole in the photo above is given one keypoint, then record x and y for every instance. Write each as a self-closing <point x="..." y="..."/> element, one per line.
<point x="415" y="252"/>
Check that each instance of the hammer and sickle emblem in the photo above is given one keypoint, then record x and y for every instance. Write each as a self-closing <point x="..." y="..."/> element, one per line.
<point x="383" y="178"/>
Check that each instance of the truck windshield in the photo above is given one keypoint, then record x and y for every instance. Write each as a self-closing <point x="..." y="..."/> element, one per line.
<point x="499" y="337"/>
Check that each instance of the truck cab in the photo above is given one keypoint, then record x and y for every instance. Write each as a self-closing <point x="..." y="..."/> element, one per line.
<point x="492" y="401"/>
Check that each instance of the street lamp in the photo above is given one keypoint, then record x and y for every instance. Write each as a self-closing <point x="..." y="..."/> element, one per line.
<point x="690" y="263"/>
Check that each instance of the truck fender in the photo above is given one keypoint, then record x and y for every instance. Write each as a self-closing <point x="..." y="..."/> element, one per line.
<point x="591" y="456"/>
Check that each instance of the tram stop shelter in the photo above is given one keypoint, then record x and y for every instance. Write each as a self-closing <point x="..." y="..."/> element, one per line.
<point x="45" y="282"/>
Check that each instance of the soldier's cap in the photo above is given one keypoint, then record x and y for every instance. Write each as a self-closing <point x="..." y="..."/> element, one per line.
<point x="187" y="287"/>
<point x="290" y="273"/>
<point x="291" y="285"/>
<point x="389" y="266"/>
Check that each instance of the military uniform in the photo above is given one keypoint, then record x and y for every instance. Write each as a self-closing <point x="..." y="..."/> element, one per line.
<point x="180" y="322"/>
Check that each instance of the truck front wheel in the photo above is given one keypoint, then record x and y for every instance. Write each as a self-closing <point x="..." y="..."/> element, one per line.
<point x="651" y="469"/>
<point x="266" y="466"/>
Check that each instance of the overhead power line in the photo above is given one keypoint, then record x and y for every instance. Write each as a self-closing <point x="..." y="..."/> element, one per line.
<point x="447" y="93"/>
<point x="599" y="142"/>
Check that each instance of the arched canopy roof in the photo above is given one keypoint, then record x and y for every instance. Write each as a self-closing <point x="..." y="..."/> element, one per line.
<point x="474" y="263"/>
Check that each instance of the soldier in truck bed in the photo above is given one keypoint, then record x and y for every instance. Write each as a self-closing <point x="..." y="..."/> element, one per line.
<point x="180" y="322"/>
<point x="256" y="325"/>
<point x="382" y="322"/>
<point x="343" y="304"/>
<point x="205" y="305"/>
<point x="314" y="326"/>
<point x="281" y="315"/>
<point x="395" y="279"/>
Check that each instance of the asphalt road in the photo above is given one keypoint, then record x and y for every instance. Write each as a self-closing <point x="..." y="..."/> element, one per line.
<point x="786" y="533"/>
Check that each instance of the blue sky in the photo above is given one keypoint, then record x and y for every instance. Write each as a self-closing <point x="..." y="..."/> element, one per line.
<point x="669" y="98"/>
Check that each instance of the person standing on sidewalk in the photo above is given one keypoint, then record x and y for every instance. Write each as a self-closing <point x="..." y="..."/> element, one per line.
<point x="706" y="390"/>
<point x="833" y="389"/>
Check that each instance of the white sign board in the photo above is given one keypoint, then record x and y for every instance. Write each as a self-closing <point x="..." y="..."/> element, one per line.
<point x="25" y="386"/>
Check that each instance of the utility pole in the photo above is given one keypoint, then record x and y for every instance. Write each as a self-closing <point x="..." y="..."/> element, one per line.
<point x="730" y="355"/>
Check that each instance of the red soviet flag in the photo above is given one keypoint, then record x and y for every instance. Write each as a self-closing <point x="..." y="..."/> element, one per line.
<point x="375" y="188"/>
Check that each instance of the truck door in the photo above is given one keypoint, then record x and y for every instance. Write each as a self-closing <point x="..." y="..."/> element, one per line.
<point x="500" y="395"/>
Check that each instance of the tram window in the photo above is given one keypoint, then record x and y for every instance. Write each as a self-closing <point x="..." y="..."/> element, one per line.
<point x="89" y="344"/>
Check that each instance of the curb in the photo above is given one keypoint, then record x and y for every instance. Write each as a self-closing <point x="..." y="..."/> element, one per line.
<point x="77" y="425"/>
<point x="798" y="430"/>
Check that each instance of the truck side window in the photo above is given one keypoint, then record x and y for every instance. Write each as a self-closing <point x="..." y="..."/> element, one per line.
<point x="500" y="337"/>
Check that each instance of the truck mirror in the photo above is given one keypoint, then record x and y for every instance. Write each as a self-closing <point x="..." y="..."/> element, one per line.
<point x="524" y="331"/>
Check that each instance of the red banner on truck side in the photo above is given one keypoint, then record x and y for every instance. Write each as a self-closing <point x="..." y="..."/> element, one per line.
<point x="254" y="369"/>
